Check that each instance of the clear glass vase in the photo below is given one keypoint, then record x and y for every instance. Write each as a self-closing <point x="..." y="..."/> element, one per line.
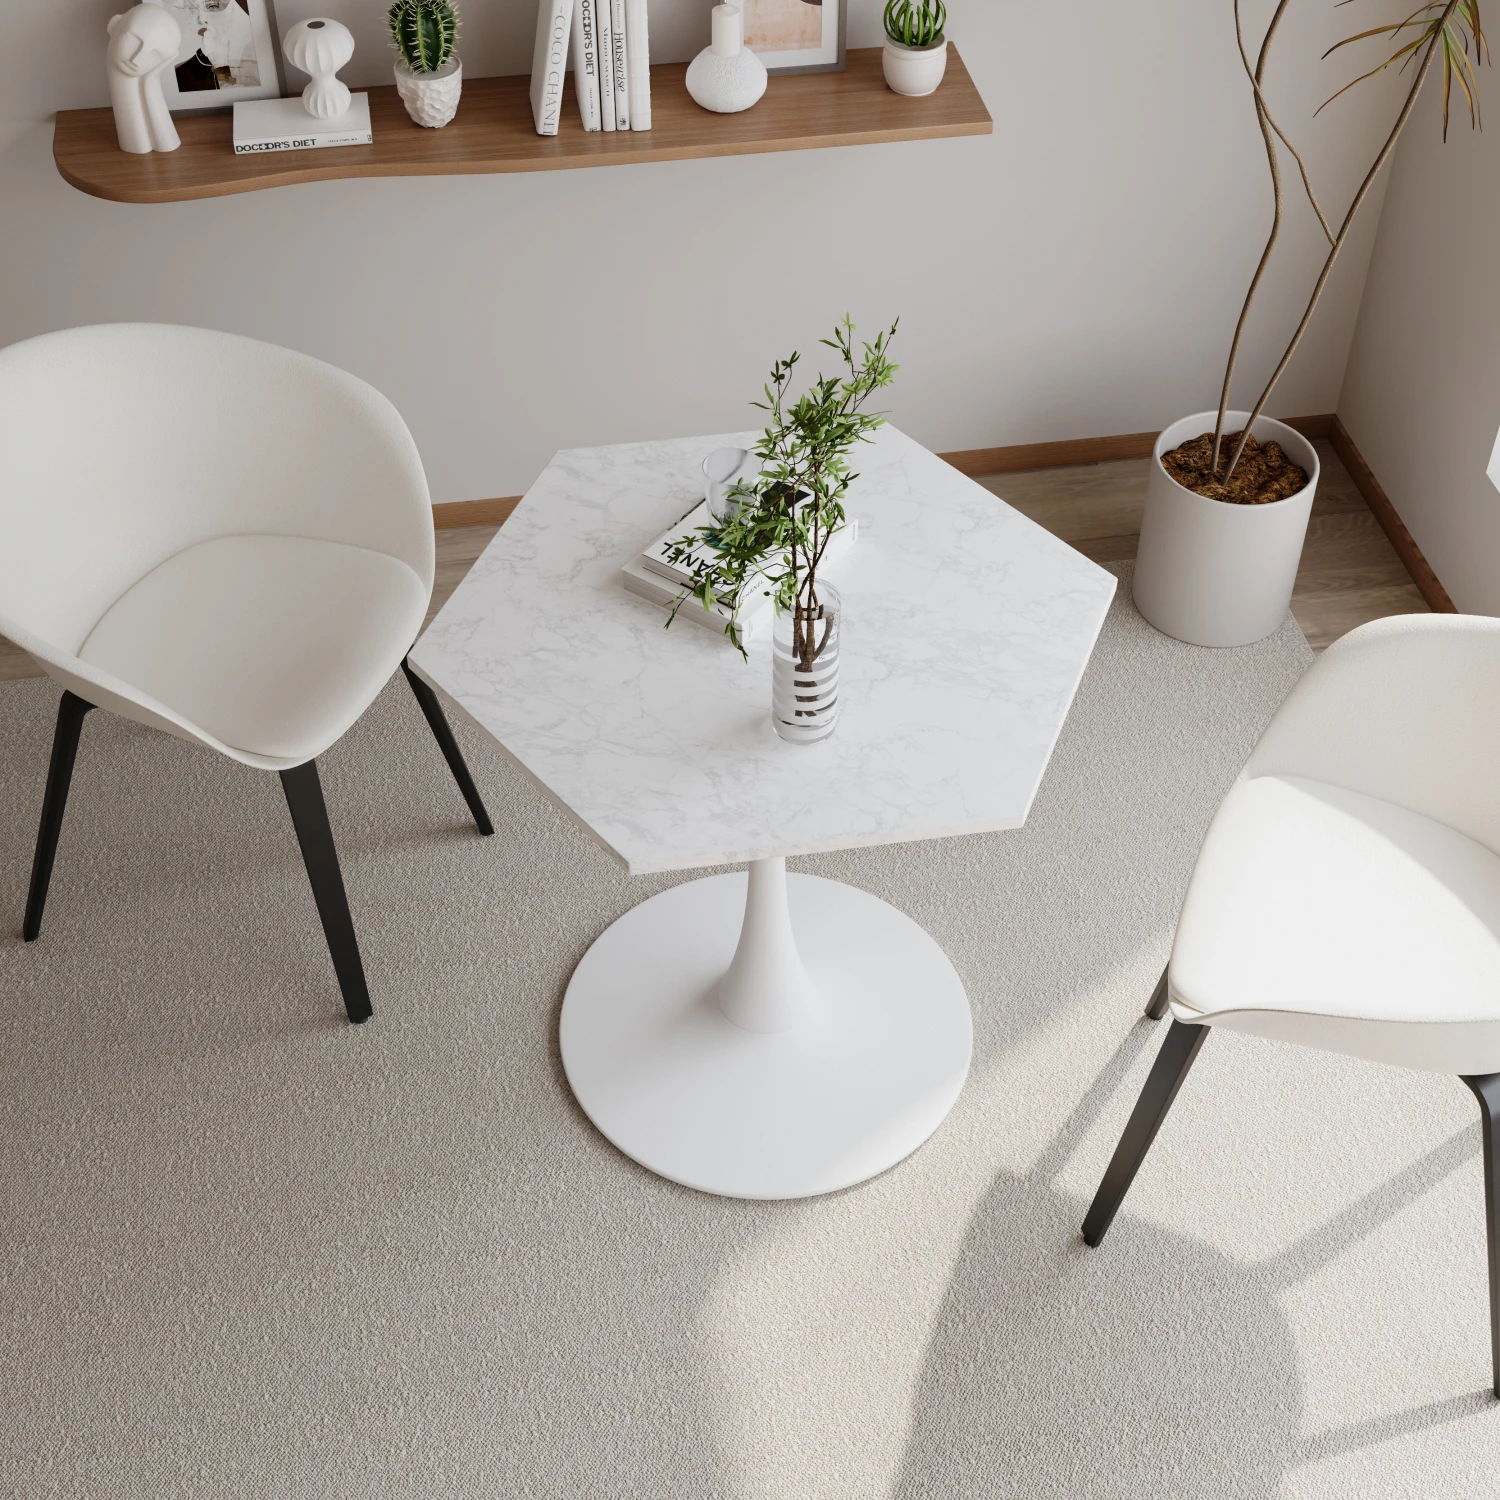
<point x="805" y="667"/>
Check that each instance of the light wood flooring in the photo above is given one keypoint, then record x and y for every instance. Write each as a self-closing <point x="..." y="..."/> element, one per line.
<point x="1349" y="572"/>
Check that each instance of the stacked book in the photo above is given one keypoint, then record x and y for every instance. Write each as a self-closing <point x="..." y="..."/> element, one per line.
<point x="652" y="576"/>
<point x="611" y="60"/>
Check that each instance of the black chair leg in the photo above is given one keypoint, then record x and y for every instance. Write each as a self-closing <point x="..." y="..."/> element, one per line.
<point x="1487" y="1090"/>
<point x="442" y="732"/>
<point x="1156" y="1006"/>
<point x="70" y="714"/>
<point x="1167" y="1072"/>
<point x="304" y="796"/>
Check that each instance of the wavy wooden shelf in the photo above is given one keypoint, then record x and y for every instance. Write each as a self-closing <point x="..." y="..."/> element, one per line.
<point x="493" y="133"/>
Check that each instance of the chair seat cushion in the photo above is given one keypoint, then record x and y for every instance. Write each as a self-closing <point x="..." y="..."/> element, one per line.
<point x="1334" y="919"/>
<point x="274" y="645"/>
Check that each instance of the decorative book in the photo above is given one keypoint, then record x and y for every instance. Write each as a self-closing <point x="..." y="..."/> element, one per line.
<point x="549" y="63"/>
<point x="285" y="125"/>
<point x="621" y="64"/>
<point x="586" y="63"/>
<point x="653" y="577"/>
<point x="638" y="51"/>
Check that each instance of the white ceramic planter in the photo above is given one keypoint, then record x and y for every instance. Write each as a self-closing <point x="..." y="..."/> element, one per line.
<point x="431" y="99"/>
<point x="914" y="71"/>
<point x="1213" y="574"/>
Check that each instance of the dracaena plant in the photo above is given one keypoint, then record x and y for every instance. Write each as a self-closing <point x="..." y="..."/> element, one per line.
<point x="781" y="526"/>
<point x="1449" y="31"/>
<point x="915" y="25"/>
<point x="424" y="32"/>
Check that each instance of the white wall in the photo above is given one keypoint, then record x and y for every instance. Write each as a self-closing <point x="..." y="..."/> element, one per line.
<point x="1075" y="274"/>
<point x="1422" y="396"/>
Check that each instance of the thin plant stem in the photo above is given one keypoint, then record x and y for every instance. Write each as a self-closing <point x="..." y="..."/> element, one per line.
<point x="1265" y="255"/>
<point x="1344" y="228"/>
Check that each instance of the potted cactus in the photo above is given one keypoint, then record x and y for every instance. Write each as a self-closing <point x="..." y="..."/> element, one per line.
<point x="916" y="51"/>
<point x="428" y="75"/>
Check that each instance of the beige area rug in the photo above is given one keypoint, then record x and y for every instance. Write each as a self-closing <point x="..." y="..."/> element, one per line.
<point x="249" y="1251"/>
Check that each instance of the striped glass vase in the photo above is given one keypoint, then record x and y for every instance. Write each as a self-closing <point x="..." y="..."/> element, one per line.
<point x="805" y="667"/>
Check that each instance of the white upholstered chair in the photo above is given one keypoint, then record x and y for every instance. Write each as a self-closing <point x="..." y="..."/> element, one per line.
<point x="224" y="540"/>
<point x="1347" y="895"/>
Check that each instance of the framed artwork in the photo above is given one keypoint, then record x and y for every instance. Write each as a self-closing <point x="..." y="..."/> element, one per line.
<point x="229" y="51"/>
<point x="796" y="36"/>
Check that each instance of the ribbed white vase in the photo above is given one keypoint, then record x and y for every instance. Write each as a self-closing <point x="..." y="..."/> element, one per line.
<point x="805" y="669"/>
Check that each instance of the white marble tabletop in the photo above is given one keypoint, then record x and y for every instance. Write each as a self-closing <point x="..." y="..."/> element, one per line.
<point x="966" y="630"/>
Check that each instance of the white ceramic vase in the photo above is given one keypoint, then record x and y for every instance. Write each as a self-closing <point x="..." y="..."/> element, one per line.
<point x="431" y="99"/>
<point x="914" y="71"/>
<point x="726" y="76"/>
<point x="1214" y="574"/>
<point x="321" y="47"/>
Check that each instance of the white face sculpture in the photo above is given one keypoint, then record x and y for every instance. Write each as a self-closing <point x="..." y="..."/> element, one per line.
<point x="143" y="39"/>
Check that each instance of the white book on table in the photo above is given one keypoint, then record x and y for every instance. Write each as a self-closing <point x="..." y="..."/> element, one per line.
<point x="638" y="51"/>
<point x="586" y="64"/>
<point x="620" y="56"/>
<point x="652" y="576"/>
<point x="549" y="63"/>
<point x="605" y="36"/>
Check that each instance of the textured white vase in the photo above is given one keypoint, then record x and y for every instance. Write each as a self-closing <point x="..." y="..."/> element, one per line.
<point x="321" y="47"/>
<point x="431" y="99"/>
<point x="726" y="76"/>
<point x="914" y="71"/>
<point x="1214" y="574"/>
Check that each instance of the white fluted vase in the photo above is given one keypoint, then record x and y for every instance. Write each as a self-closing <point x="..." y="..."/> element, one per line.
<point x="805" y="669"/>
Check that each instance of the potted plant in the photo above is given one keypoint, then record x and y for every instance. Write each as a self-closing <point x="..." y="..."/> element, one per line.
<point x="1229" y="492"/>
<point x="777" y="535"/>
<point x="916" y="51"/>
<point x="429" y="77"/>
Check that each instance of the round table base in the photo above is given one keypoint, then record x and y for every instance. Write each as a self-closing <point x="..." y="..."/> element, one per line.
<point x="859" y="1083"/>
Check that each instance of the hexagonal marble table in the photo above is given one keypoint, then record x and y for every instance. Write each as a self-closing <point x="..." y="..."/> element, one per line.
<point x="757" y="1034"/>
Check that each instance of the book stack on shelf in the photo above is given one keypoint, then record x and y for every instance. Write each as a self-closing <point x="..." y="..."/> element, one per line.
<point x="611" y="61"/>
<point x="651" y="576"/>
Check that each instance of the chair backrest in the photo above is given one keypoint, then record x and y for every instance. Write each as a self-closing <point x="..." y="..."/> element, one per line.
<point x="123" y="443"/>
<point x="1406" y="709"/>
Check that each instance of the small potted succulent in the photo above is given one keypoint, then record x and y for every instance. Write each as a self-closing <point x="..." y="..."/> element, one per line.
<point x="916" y="51"/>
<point x="428" y="75"/>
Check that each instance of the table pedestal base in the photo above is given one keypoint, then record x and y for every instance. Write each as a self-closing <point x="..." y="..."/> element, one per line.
<point x="850" y="1040"/>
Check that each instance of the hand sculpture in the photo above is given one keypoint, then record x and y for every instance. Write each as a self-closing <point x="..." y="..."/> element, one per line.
<point x="143" y="44"/>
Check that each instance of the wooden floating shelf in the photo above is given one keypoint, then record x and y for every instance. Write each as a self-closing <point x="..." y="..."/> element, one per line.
<point x="493" y="133"/>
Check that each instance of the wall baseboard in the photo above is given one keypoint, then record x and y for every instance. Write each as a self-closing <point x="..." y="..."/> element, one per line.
<point x="1098" y="450"/>
<point x="972" y="461"/>
<point x="1427" y="582"/>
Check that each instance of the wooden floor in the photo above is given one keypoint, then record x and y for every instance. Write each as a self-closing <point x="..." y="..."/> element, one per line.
<point x="1349" y="572"/>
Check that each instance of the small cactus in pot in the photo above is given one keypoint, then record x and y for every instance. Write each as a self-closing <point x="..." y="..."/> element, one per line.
<point x="916" y="49"/>
<point x="428" y="76"/>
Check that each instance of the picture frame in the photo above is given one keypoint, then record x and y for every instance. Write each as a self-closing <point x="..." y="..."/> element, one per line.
<point x="797" y="36"/>
<point x="231" y="50"/>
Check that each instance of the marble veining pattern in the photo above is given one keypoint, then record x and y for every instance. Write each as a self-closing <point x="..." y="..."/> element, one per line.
<point x="967" y="629"/>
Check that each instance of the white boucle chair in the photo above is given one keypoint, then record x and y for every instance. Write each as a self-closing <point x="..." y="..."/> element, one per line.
<point x="1347" y="895"/>
<point x="221" y="539"/>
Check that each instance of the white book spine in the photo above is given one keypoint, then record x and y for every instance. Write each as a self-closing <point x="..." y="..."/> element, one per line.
<point x="606" y="64"/>
<point x="549" y="63"/>
<point x="638" y="50"/>
<point x="621" y="62"/>
<point x="586" y="64"/>
<point x="303" y="143"/>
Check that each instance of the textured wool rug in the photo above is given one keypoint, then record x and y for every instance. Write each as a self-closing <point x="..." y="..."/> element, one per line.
<point x="249" y="1251"/>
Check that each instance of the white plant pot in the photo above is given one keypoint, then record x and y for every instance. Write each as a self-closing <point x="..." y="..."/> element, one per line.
<point x="914" y="71"/>
<point x="431" y="99"/>
<point x="1214" y="574"/>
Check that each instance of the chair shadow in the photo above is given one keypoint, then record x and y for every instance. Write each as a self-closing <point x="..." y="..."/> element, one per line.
<point x="1153" y="1365"/>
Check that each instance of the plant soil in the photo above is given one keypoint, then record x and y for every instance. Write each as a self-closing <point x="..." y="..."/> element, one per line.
<point x="1263" y="474"/>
